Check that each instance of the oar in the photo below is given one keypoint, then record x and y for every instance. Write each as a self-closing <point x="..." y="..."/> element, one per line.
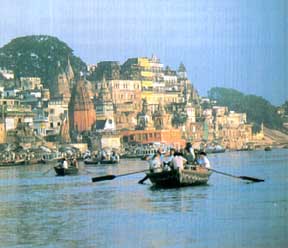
<point x="253" y="179"/>
<point x="111" y="177"/>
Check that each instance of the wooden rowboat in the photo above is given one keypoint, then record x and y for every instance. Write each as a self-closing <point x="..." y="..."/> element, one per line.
<point x="100" y="161"/>
<point x="72" y="170"/>
<point x="13" y="162"/>
<point x="173" y="178"/>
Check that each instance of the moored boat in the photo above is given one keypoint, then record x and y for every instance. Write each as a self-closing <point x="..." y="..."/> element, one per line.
<point x="13" y="162"/>
<point x="108" y="162"/>
<point x="60" y="171"/>
<point x="90" y="161"/>
<point x="174" y="178"/>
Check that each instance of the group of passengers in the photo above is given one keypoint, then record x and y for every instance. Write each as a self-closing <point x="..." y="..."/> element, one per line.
<point x="109" y="156"/>
<point x="66" y="163"/>
<point x="178" y="160"/>
<point x="103" y="155"/>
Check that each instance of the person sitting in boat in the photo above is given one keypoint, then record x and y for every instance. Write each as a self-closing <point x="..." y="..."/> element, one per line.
<point x="103" y="155"/>
<point x="203" y="161"/>
<point x="189" y="154"/>
<point x="115" y="156"/>
<point x="168" y="160"/>
<point x="75" y="163"/>
<point x="65" y="164"/>
<point x="156" y="163"/>
<point x="178" y="161"/>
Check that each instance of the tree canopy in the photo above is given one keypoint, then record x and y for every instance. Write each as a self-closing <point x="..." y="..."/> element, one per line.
<point x="39" y="56"/>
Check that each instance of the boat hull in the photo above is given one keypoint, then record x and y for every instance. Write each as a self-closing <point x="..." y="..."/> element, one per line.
<point x="63" y="172"/>
<point x="13" y="163"/>
<point x="100" y="162"/>
<point x="176" y="179"/>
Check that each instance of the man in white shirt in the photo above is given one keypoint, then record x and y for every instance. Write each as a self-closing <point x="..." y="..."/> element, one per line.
<point x="203" y="161"/>
<point x="178" y="161"/>
<point x="156" y="163"/>
<point x="65" y="164"/>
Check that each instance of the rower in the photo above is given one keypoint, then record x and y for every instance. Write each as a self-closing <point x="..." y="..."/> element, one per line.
<point x="203" y="161"/>
<point x="155" y="164"/>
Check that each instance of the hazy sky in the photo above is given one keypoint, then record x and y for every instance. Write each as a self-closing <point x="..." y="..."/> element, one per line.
<point x="239" y="44"/>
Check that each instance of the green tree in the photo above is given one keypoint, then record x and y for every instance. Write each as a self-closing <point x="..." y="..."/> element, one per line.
<point x="39" y="56"/>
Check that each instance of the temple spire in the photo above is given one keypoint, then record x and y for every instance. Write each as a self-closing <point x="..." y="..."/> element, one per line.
<point x="69" y="70"/>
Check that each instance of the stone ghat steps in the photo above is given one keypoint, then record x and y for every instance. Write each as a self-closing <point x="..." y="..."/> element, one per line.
<point x="275" y="136"/>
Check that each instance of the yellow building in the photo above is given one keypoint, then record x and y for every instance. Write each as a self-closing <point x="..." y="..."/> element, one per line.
<point x="153" y="98"/>
<point x="145" y="69"/>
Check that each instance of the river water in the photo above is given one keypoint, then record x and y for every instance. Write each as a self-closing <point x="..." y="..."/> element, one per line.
<point x="38" y="209"/>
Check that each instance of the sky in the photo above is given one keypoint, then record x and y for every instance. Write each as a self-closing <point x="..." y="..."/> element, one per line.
<point x="240" y="44"/>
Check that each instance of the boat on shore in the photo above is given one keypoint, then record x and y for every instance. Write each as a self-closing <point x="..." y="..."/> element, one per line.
<point x="60" y="171"/>
<point x="173" y="178"/>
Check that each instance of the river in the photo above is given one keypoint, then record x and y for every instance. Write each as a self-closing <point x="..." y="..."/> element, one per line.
<point x="38" y="209"/>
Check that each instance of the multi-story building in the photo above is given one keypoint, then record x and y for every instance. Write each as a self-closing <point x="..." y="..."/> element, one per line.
<point x="148" y="70"/>
<point x="127" y="92"/>
<point x="228" y="128"/>
<point x="30" y="83"/>
<point x="57" y="112"/>
<point x="172" y="137"/>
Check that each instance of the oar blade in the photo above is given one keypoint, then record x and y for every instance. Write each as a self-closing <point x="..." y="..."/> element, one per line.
<point x="253" y="179"/>
<point x="103" y="178"/>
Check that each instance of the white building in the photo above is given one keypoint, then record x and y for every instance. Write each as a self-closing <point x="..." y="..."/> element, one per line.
<point x="7" y="74"/>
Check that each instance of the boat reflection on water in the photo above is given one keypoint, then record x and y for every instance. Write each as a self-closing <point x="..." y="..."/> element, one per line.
<point x="184" y="199"/>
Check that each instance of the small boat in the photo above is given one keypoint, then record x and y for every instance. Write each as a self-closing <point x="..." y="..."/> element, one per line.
<point x="13" y="162"/>
<point x="173" y="178"/>
<point x="108" y="162"/>
<point x="132" y="156"/>
<point x="267" y="148"/>
<point x="101" y="161"/>
<point x="214" y="149"/>
<point x="90" y="161"/>
<point x="72" y="170"/>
